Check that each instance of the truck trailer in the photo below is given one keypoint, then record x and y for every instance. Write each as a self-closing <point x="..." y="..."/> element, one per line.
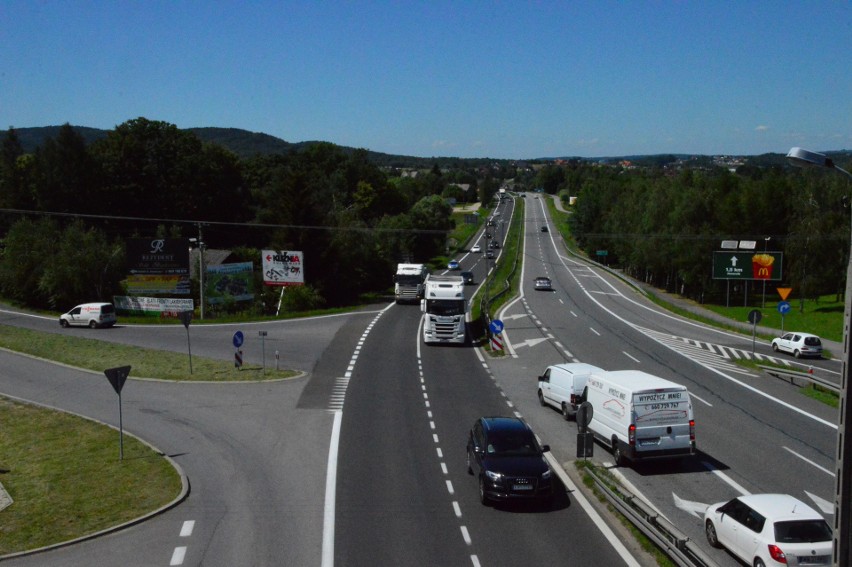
<point x="444" y="307"/>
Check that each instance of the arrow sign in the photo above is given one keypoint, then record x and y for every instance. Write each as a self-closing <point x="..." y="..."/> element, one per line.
<point x="824" y="505"/>
<point x="734" y="261"/>
<point x="513" y="317"/>
<point x="697" y="509"/>
<point x="496" y="326"/>
<point x="117" y="377"/>
<point x="529" y="343"/>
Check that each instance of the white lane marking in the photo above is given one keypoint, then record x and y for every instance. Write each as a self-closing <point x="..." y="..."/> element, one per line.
<point x="728" y="480"/>
<point x="465" y="535"/>
<point x="594" y="331"/>
<point x="450" y="488"/>
<point x="703" y="401"/>
<point x="444" y="468"/>
<point x="810" y="462"/>
<point x="186" y="529"/>
<point x="474" y="560"/>
<point x="457" y="509"/>
<point x="178" y="556"/>
<point x="330" y="493"/>
<point x="604" y="528"/>
<point x="628" y="355"/>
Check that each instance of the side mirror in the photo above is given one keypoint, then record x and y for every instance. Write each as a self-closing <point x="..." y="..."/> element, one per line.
<point x="545" y="448"/>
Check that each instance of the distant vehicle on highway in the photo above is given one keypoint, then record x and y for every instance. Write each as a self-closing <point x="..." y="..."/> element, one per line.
<point x="490" y="254"/>
<point x="769" y="529"/>
<point x="476" y="248"/>
<point x="798" y="344"/>
<point x="543" y="283"/>
<point x="453" y="265"/>
<point x="467" y="277"/>
<point x="503" y="453"/>
<point x="544" y="228"/>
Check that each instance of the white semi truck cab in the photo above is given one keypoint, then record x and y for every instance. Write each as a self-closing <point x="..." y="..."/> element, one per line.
<point x="444" y="308"/>
<point x="409" y="282"/>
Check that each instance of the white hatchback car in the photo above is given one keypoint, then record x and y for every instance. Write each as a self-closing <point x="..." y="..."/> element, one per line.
<point x="798" y="344"/>
<point x="476" y="248"/>
<point x="769" y="530"/>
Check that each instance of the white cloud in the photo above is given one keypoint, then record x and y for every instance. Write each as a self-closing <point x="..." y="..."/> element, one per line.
<point x="762" y="128"/>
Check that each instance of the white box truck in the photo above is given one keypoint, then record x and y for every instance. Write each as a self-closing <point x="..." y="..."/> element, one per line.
<point x="444" y="308"/>
<point x="409" y="282"/>
<point x="562" y="386"/>
<point x="640" y="416"/>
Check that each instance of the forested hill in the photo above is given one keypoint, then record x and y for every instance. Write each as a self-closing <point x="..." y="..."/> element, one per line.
<point x="247" y="144"/>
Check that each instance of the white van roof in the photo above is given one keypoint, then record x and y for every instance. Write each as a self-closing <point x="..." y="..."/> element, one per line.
<point x="579" y="368"/>
<point x="639" y="381"/>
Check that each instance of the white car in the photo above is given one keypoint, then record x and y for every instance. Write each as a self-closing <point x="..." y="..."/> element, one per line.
<point x="476" y="248"/>
<point x="798" y="344"/>
<point x="768" y="530"/>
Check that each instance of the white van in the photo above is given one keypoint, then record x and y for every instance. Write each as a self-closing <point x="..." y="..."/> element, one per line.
<point x="562" y="385"/>
<point x="640" y="416"/>
<point x="92" y="315"/>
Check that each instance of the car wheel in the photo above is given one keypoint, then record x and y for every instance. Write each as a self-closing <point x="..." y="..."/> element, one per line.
<point x="617" y="453"/>
<point x="93" y="324"/>
<point x="541" y="398"/>
<point x="483" y="498"/>
<point x="775" y="347"/>
<point x="565" y="413"/>
<point x="63" y="323"/>
<point x="710" y="532"/>
<point x="797" y="354"/>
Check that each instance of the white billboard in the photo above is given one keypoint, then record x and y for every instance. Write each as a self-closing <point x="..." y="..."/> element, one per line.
<point x="282" y="267"/>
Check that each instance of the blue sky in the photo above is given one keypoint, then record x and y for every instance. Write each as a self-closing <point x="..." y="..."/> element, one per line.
<point x="467" y="79"/>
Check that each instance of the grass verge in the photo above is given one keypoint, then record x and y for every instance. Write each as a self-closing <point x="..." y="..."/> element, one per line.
<point x="96" y="355"/>
<point x="65" y="477"/>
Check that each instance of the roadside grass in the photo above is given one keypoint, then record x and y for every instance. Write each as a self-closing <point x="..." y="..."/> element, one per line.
<point x="66" y="480"/>
<point x="95" y="355"/>
<point x="822" y="317"/>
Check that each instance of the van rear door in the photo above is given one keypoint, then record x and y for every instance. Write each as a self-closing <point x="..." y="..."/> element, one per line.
<point x="662" y="419"/>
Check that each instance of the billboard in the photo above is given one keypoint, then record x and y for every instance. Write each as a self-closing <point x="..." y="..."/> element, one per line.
<point x="158" y="266"/>
<point x="729" y="265"/>
<point x="282" y="267"/>
<point x="228" y="280"/>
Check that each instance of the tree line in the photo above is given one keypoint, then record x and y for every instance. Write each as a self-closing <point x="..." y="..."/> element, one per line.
<point x="67" y="208"/>
<point x="662" y="226"/>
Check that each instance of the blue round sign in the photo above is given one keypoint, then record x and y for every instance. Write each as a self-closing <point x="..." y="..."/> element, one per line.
<point x="783" y="307"/>
<point x="238" y="339"/>
<point x="496" y="326"/>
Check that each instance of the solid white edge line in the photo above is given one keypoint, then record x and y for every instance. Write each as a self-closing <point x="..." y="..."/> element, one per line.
<point x="607" y="532"/>
<point x="331" y="493"/>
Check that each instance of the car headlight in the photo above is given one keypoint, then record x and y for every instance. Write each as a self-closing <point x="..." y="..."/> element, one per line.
<point x="493" y="475"/>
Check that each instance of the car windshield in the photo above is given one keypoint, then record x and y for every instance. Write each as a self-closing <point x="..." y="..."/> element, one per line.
<point x="512" y="444"/>
<point x="802" y="531"/>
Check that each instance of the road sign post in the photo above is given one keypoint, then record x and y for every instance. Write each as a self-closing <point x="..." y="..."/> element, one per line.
<point x="186" y="319"/>
<point x="754" y="317"/>
<point x="117" y="377"/>
<point x="262" y="335"/>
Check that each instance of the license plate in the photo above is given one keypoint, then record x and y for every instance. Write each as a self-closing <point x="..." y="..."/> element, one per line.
<point x="646" y="442"/>
<point x="522" y="487"/>
<point x="813" y="560"/>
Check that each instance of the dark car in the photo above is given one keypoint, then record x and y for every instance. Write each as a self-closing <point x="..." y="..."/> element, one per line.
<point x="468" y="278"/>
<point x="490" y="253"/>
<point x="544" y="283"/>
<point x="544" y="228"/>
<point x="509" y="463"/>
<point x="495" y="244"/>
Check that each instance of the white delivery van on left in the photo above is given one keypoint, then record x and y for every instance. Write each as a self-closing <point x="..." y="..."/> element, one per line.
<point x="93" y="315"/>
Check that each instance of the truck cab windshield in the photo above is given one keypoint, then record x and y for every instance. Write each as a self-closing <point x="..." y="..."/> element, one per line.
<point x="445" y="307"/>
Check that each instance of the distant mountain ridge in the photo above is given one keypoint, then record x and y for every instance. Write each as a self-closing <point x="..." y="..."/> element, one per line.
<point x="246" y="144"/>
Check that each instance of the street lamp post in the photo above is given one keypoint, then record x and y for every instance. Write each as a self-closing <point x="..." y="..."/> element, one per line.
<point x="842" y="514"/>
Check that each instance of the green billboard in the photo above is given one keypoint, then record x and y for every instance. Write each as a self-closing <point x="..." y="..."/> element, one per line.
<point x="765" y="266"/>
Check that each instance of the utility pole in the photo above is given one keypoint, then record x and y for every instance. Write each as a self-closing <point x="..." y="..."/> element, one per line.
<point x="201" y="270"/>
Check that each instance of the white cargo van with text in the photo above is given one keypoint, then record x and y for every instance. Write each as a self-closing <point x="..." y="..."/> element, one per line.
<point x="94" y="315"/>
<point x="640" y="416"/>
<point x="562" y="386"/>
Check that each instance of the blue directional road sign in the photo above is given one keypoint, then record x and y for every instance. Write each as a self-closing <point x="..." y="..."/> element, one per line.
<point x="496" y="326"/>
<point x="238" y="339"/>
<point x="784" y="307"/>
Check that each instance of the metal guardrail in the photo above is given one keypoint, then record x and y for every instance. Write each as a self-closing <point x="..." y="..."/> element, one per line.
<point x="678" y="546"/>
<point x="793" y="375"/>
